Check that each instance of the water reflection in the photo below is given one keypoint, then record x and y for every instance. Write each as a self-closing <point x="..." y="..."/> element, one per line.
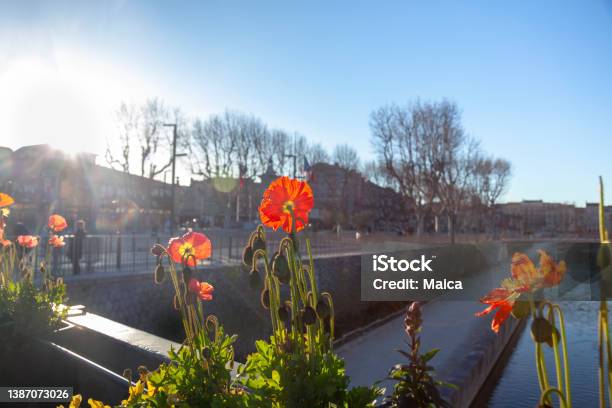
<point x="518" y="385"/>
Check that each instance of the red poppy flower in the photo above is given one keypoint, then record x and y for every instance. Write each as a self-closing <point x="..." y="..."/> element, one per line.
<point x="283" y="196"/>
<point x="27" y="241"/>
<point x="500" y="299"/>
<point x="6" y="200"/>
<point x="5" y="242"/>
<point x="204" y="290"/>
<point x="56" y="241"/>
<point x="57" y="223"/>
<point x="190" y="248"/>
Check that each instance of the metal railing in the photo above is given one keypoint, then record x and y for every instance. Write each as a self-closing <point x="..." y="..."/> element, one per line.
<point x="131" y="253"/>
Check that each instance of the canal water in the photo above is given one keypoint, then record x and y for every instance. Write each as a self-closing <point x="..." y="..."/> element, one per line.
<point x="517" y="385"/>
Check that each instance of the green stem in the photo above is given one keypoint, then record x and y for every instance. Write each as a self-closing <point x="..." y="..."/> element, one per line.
<point x="566" y="370"/>
<point x="601" y="358"/>
<point x="546" y="397"/>
<point x="551" y="319"/>
<point x="539" y="371"/>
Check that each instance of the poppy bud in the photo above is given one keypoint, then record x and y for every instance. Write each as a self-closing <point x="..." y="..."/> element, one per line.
<point x="247" y="256"/>
<point x="541" y="330"/>
<point x="191" y="298"/>
<point x="287" y="346"/>
<point x="265" y="298"/>
<point x="309" y="316"/>
<point x="258" y="243"/>
<point x="280" y="267"/>
<point x="175" y="303"/>
<point x="520" y="309"/>
<point x="254" y="280"/>
<point x="252" y="237"/>
<point x="206" y="353"/>
<point x="127" y="374"/>
<point x="142" y="373"/>
<point x="558" y="337"/>
<point x="157" y="250"/>
<point x="160" y="274"/>
<point x="323" y="309"/>
<point x="415" y="310"/>
<point x="284" y="312"/>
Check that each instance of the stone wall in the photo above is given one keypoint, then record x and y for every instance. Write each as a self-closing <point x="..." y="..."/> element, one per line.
<point x="135" y="300"/>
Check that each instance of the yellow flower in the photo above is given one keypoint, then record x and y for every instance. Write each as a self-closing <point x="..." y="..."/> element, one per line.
<point x="97" y="404"/>
<point x="5" y="212"/>
<point x="150" y="389"/>
<point x="76" y="401"/>
<point x="135" y="392"/>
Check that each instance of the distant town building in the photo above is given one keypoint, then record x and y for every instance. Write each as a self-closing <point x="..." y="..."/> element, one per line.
<point x="44" y="180"/>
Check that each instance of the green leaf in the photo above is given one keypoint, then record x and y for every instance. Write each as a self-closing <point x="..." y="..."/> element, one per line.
<point x="430" y="354"/>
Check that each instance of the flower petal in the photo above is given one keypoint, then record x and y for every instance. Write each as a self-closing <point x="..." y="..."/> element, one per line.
<point x="523" y="269"/>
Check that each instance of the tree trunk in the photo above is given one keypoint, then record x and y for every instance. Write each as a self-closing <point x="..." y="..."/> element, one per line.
<point x="451" y="226"/>
<point x="420" y="221"/>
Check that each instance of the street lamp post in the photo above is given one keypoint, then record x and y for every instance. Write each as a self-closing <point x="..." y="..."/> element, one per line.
<point x="174" y="156"/>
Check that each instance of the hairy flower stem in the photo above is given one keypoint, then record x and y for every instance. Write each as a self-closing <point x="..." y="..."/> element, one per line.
<point x="180" y="296"/>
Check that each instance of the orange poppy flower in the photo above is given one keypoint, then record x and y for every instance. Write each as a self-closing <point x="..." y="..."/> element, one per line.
<point x="5" y="242"/>
<point x="523" y="271"/>
<point x="190" y="248"/>
<point x="551" y="272"/>
<point x="27" y="241"/>
<point x="525" y="274"/>
<point x="57" y="223"/>
<point x="500" y="299"/>
<point x="204" y="290"/>
<point x="6" y="200"/>
<point x="56" y="241"/>
<point x="283" y="196"/>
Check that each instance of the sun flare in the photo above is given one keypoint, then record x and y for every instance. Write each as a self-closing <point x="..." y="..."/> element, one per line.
<point x="65" y="101"/>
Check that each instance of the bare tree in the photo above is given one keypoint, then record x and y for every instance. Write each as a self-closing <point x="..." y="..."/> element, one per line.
<point x="490" y="181"/>
<point x="152" y="139"/>
<point x="317" y="154"/>
<point x="212" y="149"/>
<point x="127" y="121"/>
<point x="374" y="172"/>
<point x="281" y="145"/>
<point x="462" y="159"/>
<point x="426" y="156"/>
<point x="395" y="141"/>
<point x="141" y="136"/>
<point x="346" y="157"/>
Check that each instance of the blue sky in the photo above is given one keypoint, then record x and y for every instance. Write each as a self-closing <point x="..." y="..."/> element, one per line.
<point x="532" y="78"/>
